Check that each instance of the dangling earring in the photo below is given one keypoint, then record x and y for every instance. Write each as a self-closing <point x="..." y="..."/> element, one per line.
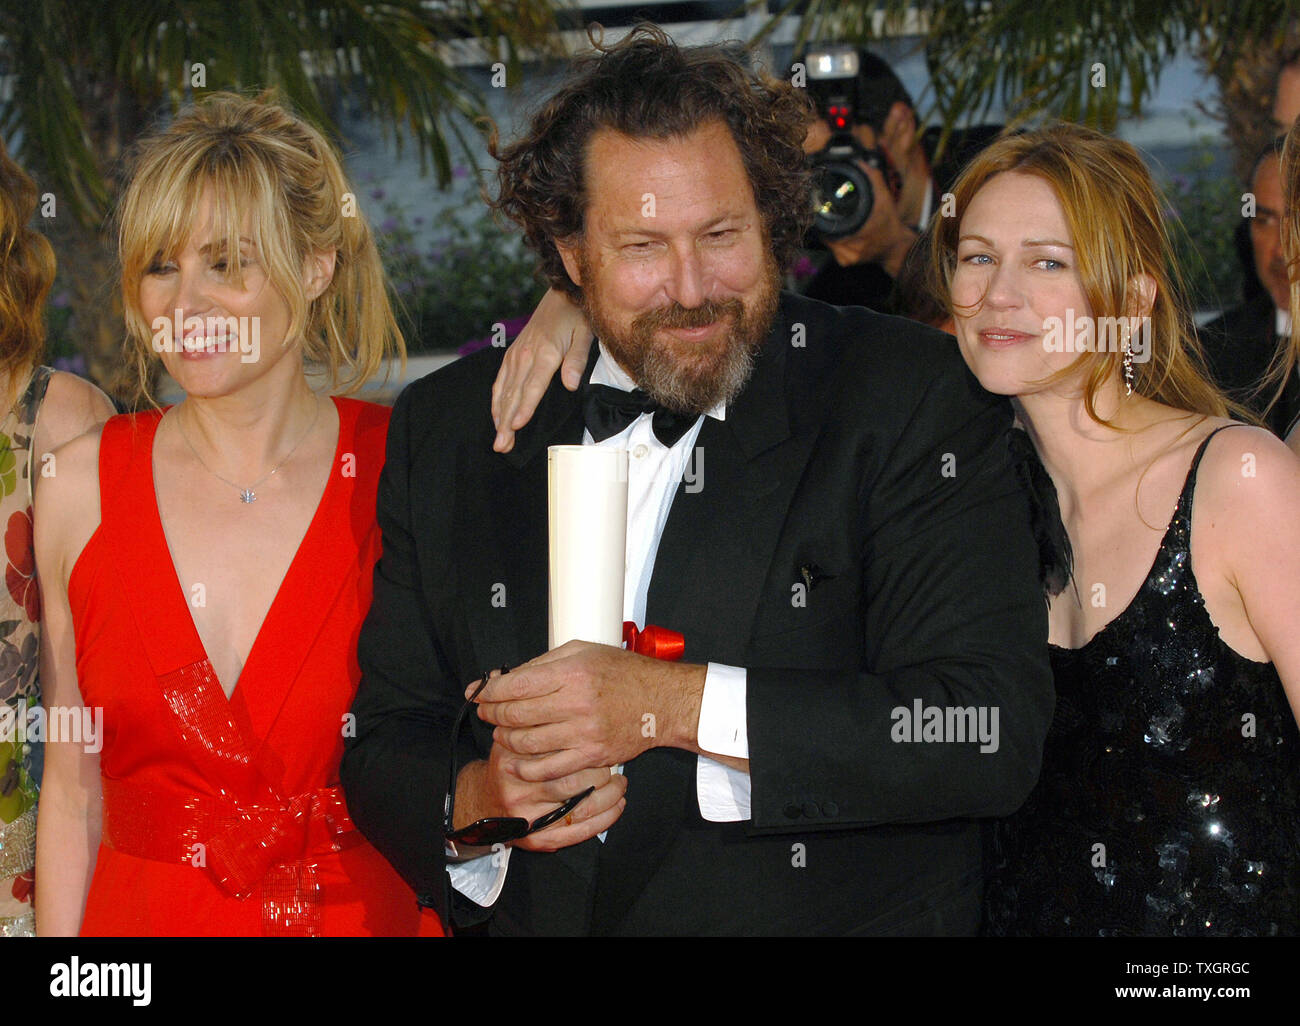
<point x="1128" y="366"/>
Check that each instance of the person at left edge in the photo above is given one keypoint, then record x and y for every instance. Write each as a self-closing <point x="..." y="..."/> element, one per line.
<point x="45" y="408"/>
<point x="209" y="564"/>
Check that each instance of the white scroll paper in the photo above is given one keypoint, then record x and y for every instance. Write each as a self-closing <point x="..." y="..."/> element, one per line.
<point x="588" y="543"/>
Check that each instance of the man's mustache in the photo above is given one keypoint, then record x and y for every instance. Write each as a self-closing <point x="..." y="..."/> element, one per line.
<point x="678" y="316"/>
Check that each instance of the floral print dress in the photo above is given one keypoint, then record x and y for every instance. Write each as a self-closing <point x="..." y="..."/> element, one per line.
<point x="20" y="615"/>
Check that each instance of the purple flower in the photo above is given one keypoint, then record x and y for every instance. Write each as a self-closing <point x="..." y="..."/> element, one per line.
<point x="473" y="346"/>
<point x="389" y="225"/>
<point x="377" y="194"/>
<point x="513" y="327"/>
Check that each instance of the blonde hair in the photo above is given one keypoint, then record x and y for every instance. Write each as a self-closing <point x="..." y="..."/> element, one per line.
<point x="259" y="159"/>
<point x="26" y="273"/>
<point x="1113" y="210"/>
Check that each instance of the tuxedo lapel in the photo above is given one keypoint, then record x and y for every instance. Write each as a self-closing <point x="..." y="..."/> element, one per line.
<point x="712" y="562"/>
<point x="501" y="563"/>
<point x="717" y="544"/>
<point x="501" y="522"/>
<point x="558" y="420"/>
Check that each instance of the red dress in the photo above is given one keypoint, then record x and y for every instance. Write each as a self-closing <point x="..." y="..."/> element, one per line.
<point x="223" y="817"/>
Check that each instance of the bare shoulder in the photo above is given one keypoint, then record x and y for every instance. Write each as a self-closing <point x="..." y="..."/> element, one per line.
<point x="71" y="407"/>
<point x="66" y="511"/>
<point x="1248" y="548"/>
<point x="1248" y="478"/>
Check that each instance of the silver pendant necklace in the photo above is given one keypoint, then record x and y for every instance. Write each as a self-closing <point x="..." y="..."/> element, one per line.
<point x="247" y="494"/>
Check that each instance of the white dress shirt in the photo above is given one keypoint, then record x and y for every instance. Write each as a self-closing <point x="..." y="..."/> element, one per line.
<point x="654" y="471"/>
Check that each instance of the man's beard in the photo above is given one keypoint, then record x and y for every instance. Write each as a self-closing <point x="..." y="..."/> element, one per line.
<point x="684" y="376"/>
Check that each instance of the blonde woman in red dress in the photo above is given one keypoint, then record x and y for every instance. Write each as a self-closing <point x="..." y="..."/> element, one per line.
<point x="206" y="567"/>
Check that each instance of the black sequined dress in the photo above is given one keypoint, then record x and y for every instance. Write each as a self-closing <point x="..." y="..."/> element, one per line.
<point x="1169" y="798"/>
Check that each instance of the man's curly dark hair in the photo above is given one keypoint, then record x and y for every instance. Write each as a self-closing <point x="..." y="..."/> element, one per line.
<point x="646" y="86"/>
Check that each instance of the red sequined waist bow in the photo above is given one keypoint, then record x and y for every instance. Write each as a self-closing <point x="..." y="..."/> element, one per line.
<point x="240" y="846"/>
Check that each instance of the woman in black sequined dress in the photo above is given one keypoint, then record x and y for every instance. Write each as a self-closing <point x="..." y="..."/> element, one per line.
<point x="1169" y="798"/>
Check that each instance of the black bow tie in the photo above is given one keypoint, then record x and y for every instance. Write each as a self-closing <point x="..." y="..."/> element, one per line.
<point x="610" y="410"/>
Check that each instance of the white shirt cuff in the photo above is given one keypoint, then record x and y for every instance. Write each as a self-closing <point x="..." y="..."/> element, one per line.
<point x="723" y="792"/>
<point x="724" y="727"/>
<point x="481" y="879"/>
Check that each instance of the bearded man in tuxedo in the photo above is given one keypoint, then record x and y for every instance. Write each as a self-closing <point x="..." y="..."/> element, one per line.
<point x="822" y="502"/>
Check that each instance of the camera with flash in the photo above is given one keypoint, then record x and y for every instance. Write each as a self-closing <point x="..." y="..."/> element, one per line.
<point x="843" y="195"/>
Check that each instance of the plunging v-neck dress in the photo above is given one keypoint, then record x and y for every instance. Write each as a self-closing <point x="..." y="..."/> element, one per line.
<point x="1169" y="798"/>
<point x="223" y="816"/>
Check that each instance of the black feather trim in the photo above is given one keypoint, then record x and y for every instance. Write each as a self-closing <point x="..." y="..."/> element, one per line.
<point x="1055" y="559"/>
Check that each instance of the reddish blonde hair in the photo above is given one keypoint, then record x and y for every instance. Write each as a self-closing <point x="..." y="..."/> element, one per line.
<point x="26" y="272"/>
<point x="1113" y="210"/>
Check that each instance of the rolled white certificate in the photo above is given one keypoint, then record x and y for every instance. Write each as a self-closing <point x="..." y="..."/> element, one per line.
<point x="587" y="487"/>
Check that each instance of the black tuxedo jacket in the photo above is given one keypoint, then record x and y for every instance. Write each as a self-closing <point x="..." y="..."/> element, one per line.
<point x="859" y="544"/>
<point x="1239" y="347"/>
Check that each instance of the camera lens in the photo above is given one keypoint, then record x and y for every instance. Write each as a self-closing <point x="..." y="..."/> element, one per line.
<point x="842" y="198"/>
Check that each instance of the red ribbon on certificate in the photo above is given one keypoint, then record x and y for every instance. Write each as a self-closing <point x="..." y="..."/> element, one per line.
<point x="655" y="642"/>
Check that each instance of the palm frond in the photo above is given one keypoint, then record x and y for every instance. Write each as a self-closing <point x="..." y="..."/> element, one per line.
<point x="90" y="76"/>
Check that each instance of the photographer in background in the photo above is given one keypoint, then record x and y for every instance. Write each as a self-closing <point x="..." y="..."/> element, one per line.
<point x="878" y="180"/>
